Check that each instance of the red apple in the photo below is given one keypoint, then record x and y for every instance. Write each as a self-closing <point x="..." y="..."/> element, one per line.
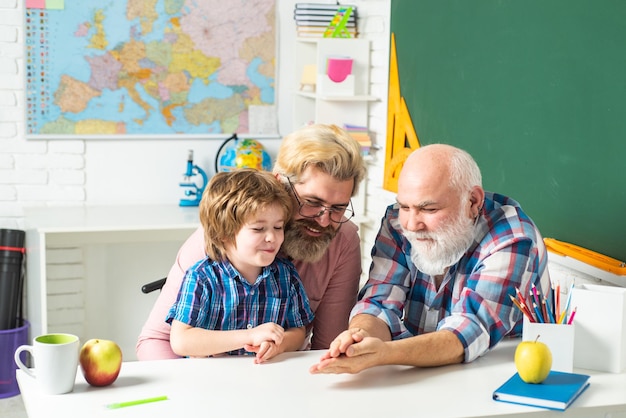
<point x="100" y="361"/>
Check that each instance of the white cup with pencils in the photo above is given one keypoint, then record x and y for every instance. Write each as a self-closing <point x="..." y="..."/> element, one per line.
<point x="545" y="316"/>
<point x="558" y="337"/>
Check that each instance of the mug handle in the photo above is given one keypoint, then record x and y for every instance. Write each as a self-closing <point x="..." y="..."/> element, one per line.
<point x="18" y="361"/>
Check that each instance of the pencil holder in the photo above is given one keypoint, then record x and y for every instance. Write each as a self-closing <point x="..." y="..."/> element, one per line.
<point x="558" y="337"/>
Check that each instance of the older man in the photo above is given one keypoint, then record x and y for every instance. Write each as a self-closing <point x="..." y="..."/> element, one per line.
<point x="446" y="259"/>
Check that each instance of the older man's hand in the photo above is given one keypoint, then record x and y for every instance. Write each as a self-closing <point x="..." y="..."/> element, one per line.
<point x="351" y="352"/>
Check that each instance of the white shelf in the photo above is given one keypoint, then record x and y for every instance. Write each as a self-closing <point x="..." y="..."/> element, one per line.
<point x="321" y="107"/>
<point x="355" y="98"/>
<point x="102" y="218"/>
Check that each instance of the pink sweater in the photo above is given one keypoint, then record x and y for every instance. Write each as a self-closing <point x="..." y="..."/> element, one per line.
<point x="331" y="285"/>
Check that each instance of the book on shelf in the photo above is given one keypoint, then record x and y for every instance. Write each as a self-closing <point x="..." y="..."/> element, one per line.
<point x="361" y="135"/>
<point x="352" y="18"/>
<point x="322" y="23"/>
<point x="323" y="12"/>
<point x="320" y="34"/>
<point x="558" y="391"/>
<point x="312" y="31"/>
<point x="322" y="6"/>
<point x="354" y="128"/>
<point x="319" y="29"/>
<point x="314" y="12"/>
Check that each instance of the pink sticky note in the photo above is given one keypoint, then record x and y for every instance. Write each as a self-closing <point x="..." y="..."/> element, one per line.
<point x="35" y="4"/>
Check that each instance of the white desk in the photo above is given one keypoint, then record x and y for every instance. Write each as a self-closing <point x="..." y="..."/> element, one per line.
<point x="86" y="265"/>
<point x="235" y="387"/>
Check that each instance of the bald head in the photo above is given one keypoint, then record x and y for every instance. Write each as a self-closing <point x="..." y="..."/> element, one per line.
<point x="441" y="166"/>
<point x="426" y="166"/>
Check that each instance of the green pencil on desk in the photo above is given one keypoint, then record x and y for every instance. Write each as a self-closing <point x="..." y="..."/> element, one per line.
<point x="118" y="405"/>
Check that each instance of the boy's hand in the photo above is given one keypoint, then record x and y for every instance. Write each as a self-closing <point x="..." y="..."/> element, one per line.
<point x="264" y="352"/>
<point x="268" y="332"/>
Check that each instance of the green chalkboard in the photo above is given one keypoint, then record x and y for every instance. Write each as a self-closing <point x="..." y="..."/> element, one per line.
<point x="535" y="90"/>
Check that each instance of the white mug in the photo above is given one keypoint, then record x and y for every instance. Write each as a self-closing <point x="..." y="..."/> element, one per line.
<point x="56" y="362"/>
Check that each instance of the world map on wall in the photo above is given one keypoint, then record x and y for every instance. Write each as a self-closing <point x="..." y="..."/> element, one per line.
<point x="148" y="67"/>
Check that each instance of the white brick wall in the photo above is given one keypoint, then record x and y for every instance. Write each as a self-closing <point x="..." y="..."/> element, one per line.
<point x="31" y="172"/>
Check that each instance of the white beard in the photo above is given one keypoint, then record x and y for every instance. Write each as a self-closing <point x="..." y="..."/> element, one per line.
<point x="444" y="248"/>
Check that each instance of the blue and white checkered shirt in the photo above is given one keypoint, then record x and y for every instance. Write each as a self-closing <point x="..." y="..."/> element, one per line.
<point x="214" y="296"/>
<point x="473" y="299"/>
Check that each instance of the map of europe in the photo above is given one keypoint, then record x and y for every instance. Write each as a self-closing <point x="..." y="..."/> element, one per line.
<point x="148" y="67"/>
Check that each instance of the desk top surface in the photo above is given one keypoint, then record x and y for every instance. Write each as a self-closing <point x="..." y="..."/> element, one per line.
<point x="61" y="219"/>
<point x="234" y="386"/>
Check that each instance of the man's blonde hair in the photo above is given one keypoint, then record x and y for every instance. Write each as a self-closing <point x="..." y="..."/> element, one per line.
<point x="326" y="147"/>
<point x="231" y="199"/>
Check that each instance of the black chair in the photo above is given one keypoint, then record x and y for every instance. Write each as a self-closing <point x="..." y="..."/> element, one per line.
<point x="152" y="286"/>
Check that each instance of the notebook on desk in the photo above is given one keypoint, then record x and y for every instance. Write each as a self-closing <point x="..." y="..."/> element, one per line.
<point x="558" y="391"/>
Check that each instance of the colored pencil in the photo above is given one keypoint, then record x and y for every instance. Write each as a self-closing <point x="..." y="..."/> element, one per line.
<point x="557" y="295"/>
<point x="538" y="313"/>
<point x="520" y="297"/>
<point x="571" y="317"/>
<point x="118" y="405"/>
<point x="535" y="295"/>
<point x="550" y="316"/>
<point x="522" y="308"/>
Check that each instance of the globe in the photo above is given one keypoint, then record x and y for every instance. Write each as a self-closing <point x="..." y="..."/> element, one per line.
<point x="243" y="153"/>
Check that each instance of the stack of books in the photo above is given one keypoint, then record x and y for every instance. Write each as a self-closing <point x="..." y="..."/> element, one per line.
<point x="361" y="134"/>
<point x="312" y="19"/>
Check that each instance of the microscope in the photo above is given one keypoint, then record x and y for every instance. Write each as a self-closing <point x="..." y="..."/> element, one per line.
<point x="193" y="190"/>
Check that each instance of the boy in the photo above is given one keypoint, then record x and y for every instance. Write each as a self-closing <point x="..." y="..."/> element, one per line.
<point x="241" y="297"/>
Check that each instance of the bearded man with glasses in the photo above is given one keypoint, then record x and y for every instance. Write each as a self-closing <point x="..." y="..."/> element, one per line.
<point x="314" y="226"/>
<point x="322" y="167"/>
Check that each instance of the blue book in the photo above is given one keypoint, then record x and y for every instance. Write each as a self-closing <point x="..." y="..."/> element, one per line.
<point x="558" y="391"/>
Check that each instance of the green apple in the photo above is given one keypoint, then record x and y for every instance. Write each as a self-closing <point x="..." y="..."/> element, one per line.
<point x="533" y="361"/>
<point x="100" y="361"/>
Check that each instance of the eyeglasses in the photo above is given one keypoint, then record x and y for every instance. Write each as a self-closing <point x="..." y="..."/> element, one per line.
<point x="312" y="209"/>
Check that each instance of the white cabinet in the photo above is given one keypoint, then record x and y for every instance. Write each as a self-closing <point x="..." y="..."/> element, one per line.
<point x="85" y="267"/>
<point x="331" y="105"/>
